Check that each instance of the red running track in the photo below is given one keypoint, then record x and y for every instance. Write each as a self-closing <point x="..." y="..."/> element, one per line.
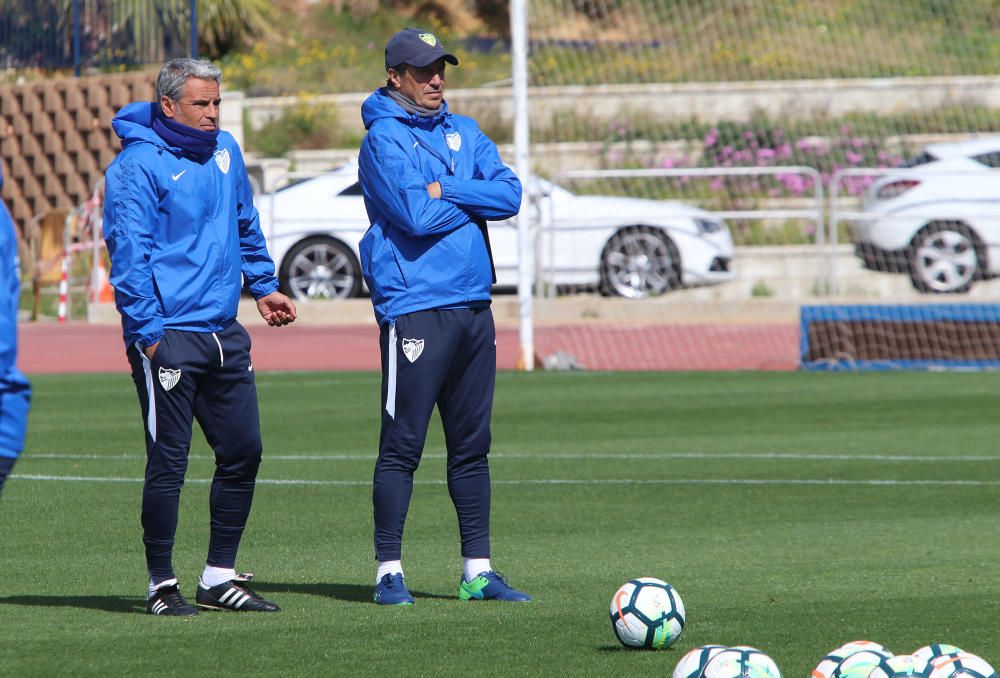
<point x="77" y="347"/>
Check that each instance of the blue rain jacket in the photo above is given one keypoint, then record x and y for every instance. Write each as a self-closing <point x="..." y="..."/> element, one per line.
<point x="183" y="234"/>
<point x="15" y="393"/>
<point x="421" y="252"/>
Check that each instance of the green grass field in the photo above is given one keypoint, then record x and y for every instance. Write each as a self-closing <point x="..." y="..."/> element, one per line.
<point x="791" y="511"/>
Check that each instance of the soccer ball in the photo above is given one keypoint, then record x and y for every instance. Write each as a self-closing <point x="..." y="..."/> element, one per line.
<point x="691" y="664"/>
<point x="859" y="664"/>
<point x="932" y="652"/>
<point x="648" y="613"/>
<point x="829" y="663"/>
<point x="961" y="665"/>
<point x="741" y="662"/>
<point x="902" y="666"/>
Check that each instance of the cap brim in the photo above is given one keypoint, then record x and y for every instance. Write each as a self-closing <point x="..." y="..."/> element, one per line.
<point x="447" y="56"/>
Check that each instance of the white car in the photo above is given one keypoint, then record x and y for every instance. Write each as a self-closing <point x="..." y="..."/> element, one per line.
<point x="623" y="246"/>
<point x="937" y="220"/>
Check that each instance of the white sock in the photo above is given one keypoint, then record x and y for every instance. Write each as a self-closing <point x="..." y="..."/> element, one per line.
<point x="473" y="567"/>
<point x="151" y="591"/>
<point x="213" y="576"/>
<point x="388" y="567"/>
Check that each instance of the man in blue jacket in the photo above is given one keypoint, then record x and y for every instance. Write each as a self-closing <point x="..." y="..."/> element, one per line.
<point x="184" y="239"/>
<point x="15" y="393"/>
<point x="430" y="180"/>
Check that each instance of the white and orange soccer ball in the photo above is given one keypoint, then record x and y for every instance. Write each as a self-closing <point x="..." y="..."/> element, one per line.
<point x="859" y="664"/>
<point x="741" y="662"/>
<point x="693" y="663"/>
<point x="935" y="650"/>
<point x="647" y="613"/>
<point x="829" y="663"/>
<point x="902" y="666"/>
<point x="961" y="665"/>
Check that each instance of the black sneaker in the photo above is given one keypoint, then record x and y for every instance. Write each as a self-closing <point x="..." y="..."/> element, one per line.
<point x="232" y="595"/>
<point x="169" y="602"/>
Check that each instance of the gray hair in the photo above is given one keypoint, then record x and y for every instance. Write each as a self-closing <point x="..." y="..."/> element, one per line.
<point x="176" y="72"/>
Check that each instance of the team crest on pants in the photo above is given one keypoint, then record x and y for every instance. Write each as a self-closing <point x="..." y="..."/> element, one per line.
<point x="169" y="378"/>
<point x="412" y="348"/>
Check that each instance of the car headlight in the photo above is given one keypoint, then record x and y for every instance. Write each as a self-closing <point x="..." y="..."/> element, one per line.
<point x="709" y="225"/>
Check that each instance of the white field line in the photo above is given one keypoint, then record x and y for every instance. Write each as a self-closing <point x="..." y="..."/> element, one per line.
<point x="559" y="481"/>
<point x="762" y="456"/>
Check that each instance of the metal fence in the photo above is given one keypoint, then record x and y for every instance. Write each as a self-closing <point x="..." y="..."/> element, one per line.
<point x="81" y="34"/>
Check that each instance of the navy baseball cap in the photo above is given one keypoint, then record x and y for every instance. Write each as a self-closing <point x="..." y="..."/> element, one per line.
<point x="417" y="48"/>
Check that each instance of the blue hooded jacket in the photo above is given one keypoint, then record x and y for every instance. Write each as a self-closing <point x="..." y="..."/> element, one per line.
<point x="182" y="233"/>
<point x="15" y="393"/>
<point x="421" y="252"/>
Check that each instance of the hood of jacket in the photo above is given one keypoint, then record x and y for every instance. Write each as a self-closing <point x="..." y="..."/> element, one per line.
<point x="134" y="124"/>
<point x="379" y="105"/>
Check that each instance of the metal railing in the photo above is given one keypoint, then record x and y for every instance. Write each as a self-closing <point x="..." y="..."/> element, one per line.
<point x="78" y="34"/>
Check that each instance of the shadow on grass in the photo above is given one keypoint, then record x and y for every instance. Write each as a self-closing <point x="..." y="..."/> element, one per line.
<point x="355" y="592"/>
<point x="128" y="605"/>
<point x="616" y="649"/>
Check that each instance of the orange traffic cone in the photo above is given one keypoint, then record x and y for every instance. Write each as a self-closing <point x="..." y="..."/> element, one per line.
<point x="100" y="288"/>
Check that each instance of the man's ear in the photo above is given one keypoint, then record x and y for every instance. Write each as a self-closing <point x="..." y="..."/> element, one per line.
<point x="394" y="79"/>
<point x="168" y="106"/>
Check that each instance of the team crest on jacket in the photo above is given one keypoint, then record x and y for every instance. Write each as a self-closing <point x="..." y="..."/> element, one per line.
<point x="169" y="378"/>
<point x="454" y="141"/>
<point x="222" y="160"/>
<point x="412" y="348"/>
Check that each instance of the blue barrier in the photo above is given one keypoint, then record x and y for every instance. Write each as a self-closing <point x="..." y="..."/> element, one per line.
<point x="887" y="337"/>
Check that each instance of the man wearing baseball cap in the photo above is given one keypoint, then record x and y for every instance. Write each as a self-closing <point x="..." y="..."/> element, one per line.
<point x="431" y="179"/>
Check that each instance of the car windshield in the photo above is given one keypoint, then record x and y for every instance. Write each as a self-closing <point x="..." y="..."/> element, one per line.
<point x="922" y="159"/>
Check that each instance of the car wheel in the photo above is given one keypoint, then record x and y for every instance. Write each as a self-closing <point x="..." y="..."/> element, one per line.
<point x="320" y="268"/>
<point x="945" y="258"/>
<point x="639" y="262"/>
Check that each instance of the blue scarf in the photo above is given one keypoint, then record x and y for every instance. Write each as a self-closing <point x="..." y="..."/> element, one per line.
<point x="194" y="142"/>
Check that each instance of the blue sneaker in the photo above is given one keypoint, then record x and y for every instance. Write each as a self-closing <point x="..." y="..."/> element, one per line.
<point x="490" y="586"/>
<point x="390" y="590"/>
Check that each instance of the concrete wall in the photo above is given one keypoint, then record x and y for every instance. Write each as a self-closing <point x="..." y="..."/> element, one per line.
<point x="707" y="102"/>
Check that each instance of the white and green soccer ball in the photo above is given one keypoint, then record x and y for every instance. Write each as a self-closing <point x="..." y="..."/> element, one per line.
<point x="693" y="663"/>
<point x="902" y="666"/>
<point x="859" y="664"/>
<point x="961" y="665"/>
<point x="829" y="663"/>
<point x="647" y="613"/>
<point x="741" y="662"/>
<point x="935" y="650"/>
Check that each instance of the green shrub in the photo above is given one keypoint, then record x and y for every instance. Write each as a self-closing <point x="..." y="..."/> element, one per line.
<point x="304" y="125"/>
